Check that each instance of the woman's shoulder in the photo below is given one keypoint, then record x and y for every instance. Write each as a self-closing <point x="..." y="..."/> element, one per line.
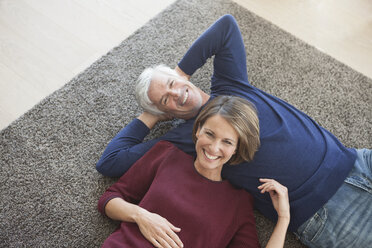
<point x="164" y="146"/>
<point x="245" y="198"/>
<point x="159" y="149"/>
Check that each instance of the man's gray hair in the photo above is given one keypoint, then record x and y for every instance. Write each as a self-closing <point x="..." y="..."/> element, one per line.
<point x="143" y="85"/>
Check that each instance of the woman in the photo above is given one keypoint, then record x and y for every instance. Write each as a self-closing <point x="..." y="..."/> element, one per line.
<point x="171" y="199"/>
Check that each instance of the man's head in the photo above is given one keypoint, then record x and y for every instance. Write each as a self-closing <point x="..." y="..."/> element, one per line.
<point x="161" y="90"/>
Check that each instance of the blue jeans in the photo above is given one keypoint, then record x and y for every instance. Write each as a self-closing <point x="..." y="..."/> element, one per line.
<point x="346" y="219"/>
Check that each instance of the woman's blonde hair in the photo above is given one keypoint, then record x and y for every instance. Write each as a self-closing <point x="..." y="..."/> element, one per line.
<point x="242" y="116"/>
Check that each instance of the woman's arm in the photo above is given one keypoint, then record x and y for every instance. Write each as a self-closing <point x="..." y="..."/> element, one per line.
<point x="120" y="201"/>
<point x="278" y="236"/>
<point x="279" y="197"/>
<point x="156" y="229"/>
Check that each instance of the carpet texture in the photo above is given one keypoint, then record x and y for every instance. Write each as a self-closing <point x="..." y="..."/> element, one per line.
<point x="49" y="187"/>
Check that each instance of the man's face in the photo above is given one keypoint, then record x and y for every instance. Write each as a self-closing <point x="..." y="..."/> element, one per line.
<point x="175" y="95"/>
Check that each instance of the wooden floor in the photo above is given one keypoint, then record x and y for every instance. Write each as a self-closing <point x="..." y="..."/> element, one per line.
<point x="45" y="43"/>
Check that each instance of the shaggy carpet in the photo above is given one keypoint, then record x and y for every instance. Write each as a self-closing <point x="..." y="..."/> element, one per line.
<point x="48" y="183"/>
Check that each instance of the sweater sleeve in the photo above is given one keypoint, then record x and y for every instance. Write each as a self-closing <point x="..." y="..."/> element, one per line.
<point x="246" y="235"/>
<point x="223" y="39"/>
<point x="125" y="149"/>
<point x="134" y="184"/>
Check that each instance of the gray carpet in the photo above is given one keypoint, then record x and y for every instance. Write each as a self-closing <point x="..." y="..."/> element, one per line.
<point x="48" y="183"/>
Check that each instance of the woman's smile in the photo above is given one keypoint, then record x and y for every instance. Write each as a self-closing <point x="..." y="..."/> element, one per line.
<point x="215" y="145"/>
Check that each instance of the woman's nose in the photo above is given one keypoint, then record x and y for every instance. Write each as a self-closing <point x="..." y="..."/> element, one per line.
<point x="215" y="147"/>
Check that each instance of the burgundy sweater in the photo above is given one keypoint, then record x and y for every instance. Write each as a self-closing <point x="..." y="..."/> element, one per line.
<point x="164" y="181"/>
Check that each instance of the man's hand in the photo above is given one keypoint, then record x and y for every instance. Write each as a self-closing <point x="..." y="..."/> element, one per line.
<point x="158" y="230"/>
<point x="278" y="194"/>
<point x="150" y="119"/>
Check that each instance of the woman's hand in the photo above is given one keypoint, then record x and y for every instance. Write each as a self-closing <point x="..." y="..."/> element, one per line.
<point x="158" y="230"/>
<point x="278" y="194"/>
<point x="279" y="197"/>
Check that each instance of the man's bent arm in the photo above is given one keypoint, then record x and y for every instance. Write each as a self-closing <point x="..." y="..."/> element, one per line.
<point x="224" y="41"/>
<point x="125" y="148"/>
<point x="148" y="119"/>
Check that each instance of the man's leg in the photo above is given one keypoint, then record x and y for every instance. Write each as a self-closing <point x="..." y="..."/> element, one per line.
<point x="346" y="219"/>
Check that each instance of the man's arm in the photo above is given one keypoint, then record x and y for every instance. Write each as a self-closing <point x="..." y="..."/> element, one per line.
<point x="148" y="119"/>
<point x="224" y="41"/>
<point x="126" y="147"/>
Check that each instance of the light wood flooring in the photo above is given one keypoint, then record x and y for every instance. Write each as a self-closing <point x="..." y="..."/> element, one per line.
<point x="45" y="43"/>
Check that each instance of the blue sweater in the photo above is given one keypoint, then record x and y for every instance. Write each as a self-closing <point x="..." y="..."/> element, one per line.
<point x="296" y="151"/>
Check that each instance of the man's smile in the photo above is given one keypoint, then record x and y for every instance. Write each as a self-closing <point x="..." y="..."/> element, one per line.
<point x="186" y="95"/>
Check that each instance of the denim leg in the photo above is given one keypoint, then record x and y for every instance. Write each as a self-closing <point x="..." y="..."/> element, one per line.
<point x="361" y="175"/>
<point x="346" y="219"/>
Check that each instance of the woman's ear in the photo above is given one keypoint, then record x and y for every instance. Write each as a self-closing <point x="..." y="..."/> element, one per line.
<point x="197" y="133"/>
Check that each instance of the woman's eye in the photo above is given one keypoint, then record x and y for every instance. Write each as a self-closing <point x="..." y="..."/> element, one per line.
<point x="208" y="133"/>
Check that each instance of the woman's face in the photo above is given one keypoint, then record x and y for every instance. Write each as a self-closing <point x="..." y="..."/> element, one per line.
<point x="216" y="144"/>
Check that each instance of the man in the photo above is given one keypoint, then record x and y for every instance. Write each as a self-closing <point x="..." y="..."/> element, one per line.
<point x="315" y="167"/>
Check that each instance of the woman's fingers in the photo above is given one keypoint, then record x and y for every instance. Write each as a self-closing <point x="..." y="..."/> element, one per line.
<point x="167" y="238"/>
<point x="272" y="185"/>
<point x="278" y="194"/>
<point x="267" y="186"/>
<point x="166" y="243"/>
<point x="174" y="237"/>
<point x="171" y="238"/>
<point x="158" y="230"/>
